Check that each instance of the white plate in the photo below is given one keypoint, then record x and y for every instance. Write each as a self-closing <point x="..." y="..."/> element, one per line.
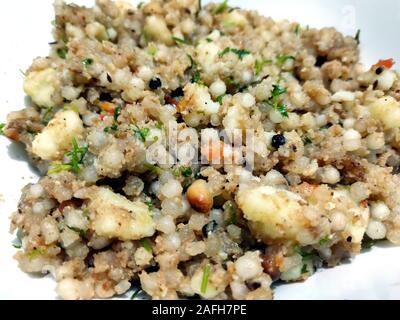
<point x="26" y="30"/>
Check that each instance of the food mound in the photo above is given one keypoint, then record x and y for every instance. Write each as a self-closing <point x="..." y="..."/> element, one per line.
<point x="305" y="175"/>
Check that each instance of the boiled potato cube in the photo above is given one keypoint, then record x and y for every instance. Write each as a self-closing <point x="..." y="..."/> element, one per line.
<point x="41" y="87"/>
<point x="118" y="217"/>
<point x="56" y="138"/>
<point x="387" y="111"/>
<point x="273" y="214"/>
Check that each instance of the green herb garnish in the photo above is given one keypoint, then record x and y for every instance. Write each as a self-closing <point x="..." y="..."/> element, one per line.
<point x="229" y="207"/>
<point x="204" y="280"/>
<point x="357" y="37"/>
<point x="197" y="78"/>
<point x="324" y="241"/>
<point x="47" y="116"/>
<point x="153" y="168"/>
<point x="209" y="40"/>
<point x="301" y="252"/>
<point x="30" y="130"/>
<point x="183" y="171"/>
<point x="307" y="140"/>
<point x="117" y="113"/>
<point x="146" y="245"/>
<point x="140" y="4"/>
<point x="76" y="159"/>
<point x="113" y="127"/>
<point x="239" y="52"/>
<point x="193" y="64"/>
<point x="136" y="293"/>
<point x="277" y="91"/>
<point x="297" y="29"/>
<point x="152" y="51"/>
<point x="81" y="232"/>
<point x="62" y="53"/>
<point x="304" y="269"/>
<point x="232" y="84"/>
<point x="149" y="205"/>
<point x="87" y="62"/>
<point x="35" y="253"/>
<point x="282" y="58"/>
<point x="369" y="243"/>
<point x="259" y="65"/>
<point x="180" y="40"/>
<point x="141" y="134"/>
<point x="220" y="8"/>
<point x="2" y="127"/>
<point x="220" y="98"/>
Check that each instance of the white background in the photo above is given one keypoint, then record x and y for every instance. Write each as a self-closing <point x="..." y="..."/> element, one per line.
<point x="25" y="31"/>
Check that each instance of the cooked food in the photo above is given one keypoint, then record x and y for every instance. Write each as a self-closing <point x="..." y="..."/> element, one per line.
<point x="202" y="151"/>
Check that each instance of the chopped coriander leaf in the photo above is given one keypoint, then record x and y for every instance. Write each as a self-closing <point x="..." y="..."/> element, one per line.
<point x="369" y="243"/>
<point x="145" y="36"/>
<point x="220" y="98"/>
<point x="282" y="58"/>
<point x="153" y="168"/>
<point x="146" y="245"/>
<point x="204" y="280"/>
<point x="47" y="116"/>
<point x="87" y="62"/>
<point x="62" y="53"/>
<point x="220" y="8"/>
<point x="300" y="251"/>
<point x="232" y="84"/>
<point x="159" y="125"/>
<point x="183" y="171"/>
<point x="86" y="213"/>
<point x="307" y="140"/>
<point x="117" y="112"/>
<point x="276" y="92"/>
<point x="76" y="156"/>
<point x="197" y="78"/>
<point x="230" y="209"/>
<point x="259" y="65"/>
<point x="149" y="204"/>
<point x="179" y="40"/>
<point x="30" y="130"/>
<point x="357" y="37"/>
<point x="142" y="134"/>
<point x="2" y="127"/>
<point x="81" y="232"/>
<point x="152" y="51"/>
<point x="239" y="52"/>
<point x="113" y="127"/>
<point x="136" y="293"/>
<point x="58" y="167"/>
<point x="324" y="241"/>
<point x="209" y="40"/>
<point x="282" y="110"/>
<point x="17" y="243"/>
<point x="193" y="65"/>
<point x="186" y="172"/>
<point x="35" y="253"/>
<point x="304" y="269"/>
